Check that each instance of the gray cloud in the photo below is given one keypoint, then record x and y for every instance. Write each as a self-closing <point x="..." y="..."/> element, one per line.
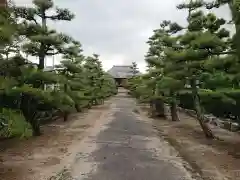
<point x="116" y="29"/>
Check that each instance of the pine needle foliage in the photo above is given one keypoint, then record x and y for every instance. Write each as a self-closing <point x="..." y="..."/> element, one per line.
<point x="31" y="94"/>
<point x="201" y="59"/>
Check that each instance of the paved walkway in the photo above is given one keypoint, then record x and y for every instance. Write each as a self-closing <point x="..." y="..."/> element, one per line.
<point x="124" y="146"/>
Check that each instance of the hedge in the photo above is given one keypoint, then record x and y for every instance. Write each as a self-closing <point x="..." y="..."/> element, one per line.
<point x="223" y="103"/>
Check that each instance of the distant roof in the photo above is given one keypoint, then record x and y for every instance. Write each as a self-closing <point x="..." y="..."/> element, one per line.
<point x="121" y="72"/>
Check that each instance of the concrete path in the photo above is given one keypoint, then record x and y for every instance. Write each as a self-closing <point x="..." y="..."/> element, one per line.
<point x="124" y="146"/>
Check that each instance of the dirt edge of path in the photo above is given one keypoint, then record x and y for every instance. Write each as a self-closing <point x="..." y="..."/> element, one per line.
<point x="211" y="159"/>
<point x="40" y="158"/>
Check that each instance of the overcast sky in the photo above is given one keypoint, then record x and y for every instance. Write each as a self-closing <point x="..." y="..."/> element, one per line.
<point x="117" y="30"/>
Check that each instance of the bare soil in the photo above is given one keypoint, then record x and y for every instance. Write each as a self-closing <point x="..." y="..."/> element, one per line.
<point x="38" y="158"/>
<point x="217" y="159"/>
<point x="43" y="157"/>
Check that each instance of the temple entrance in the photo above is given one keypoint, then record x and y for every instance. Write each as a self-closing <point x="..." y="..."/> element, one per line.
<point x="121" y="82"/>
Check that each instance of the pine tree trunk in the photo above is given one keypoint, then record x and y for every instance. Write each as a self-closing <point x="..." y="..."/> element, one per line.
<point x="27" y="110"/>
<point x="173" y="108"/>
<point x="41" y="58"/>
<point x="65" y="113"/>
<point x="65" y="116"/>
<point x="200" y="117"/>
<point x="160" y="108"/>
<point x="35" y="127"/>
<point x="157" y="105"/>
<point x="157" y="108"/>
<point x="77" y="107"/>
<point x="89" y="105"/>
<point x="42" y="46"/>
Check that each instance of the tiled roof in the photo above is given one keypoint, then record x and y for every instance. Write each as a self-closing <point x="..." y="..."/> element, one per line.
<point x="121" y="71"/>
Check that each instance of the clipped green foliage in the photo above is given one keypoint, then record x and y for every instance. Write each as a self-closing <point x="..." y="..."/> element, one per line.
<point x="61" y="101"/>
<point x="15" y="124"/>
<point x="185" y="99"/>
<point x="235" y="95"/>
<point x="32" y="93"/>
<point x="222" y="103"/>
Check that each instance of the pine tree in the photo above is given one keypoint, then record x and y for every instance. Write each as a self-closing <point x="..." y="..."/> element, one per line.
<point x="27" y="97"/>
<point x="8" y="32"/>
<point x="168" y="73"/>
<point x="109" y="87"/>
<point x="77" y="82"/>
<point x="71" y="68"/>
<point x="234" y="7"/>
<point x="155" y="60"/>
<point x="203" y="39"/>
<point x="173" y="79"/>
<point x="42" y="41"/>
<point x="201" y="57"/>
<point x="234" y="50"/>
<point x="94" y="74"/>
<point x="134" y="68"/>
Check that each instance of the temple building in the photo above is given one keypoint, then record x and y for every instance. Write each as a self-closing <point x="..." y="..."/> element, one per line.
<point x="121" y="74"/>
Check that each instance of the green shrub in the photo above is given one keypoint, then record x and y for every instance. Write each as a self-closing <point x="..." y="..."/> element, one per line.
<point x="185" y="99"/>
<point x="218" y="104"/>
<point x="17" y="126"/>
<point x="223" y="104"/>
<point x="234" y="94"/>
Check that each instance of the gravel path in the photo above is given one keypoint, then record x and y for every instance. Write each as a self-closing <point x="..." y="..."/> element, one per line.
<point x="124" y="146"/>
